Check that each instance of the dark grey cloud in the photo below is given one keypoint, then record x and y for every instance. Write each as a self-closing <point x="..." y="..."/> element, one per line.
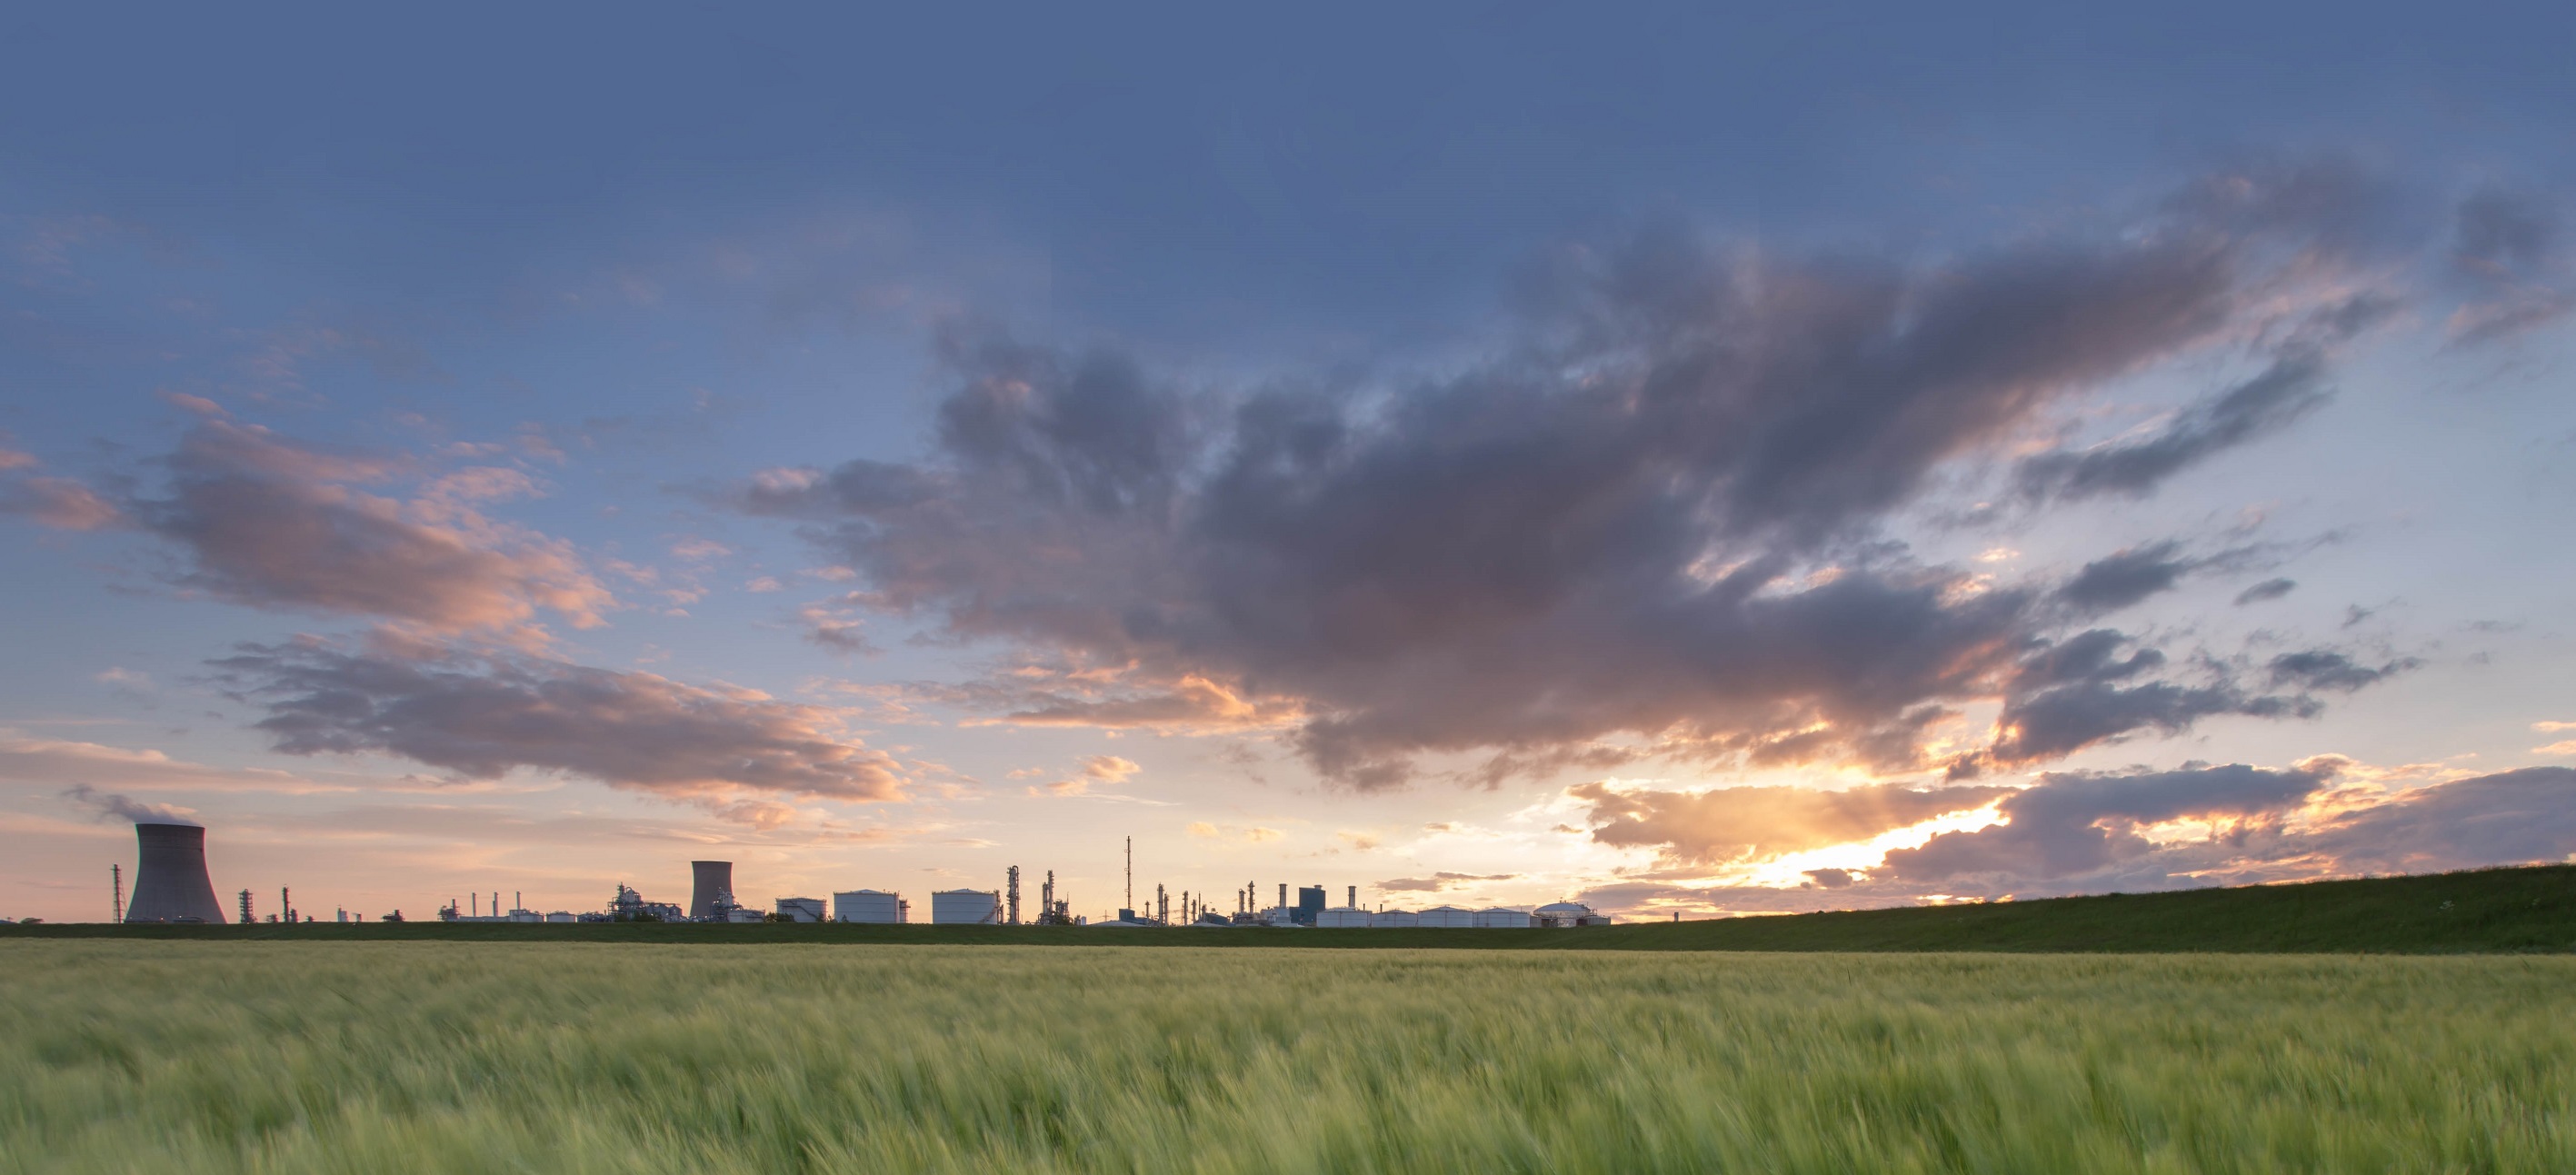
<point x="2078" y="824"/>
<point x="1731" y="824"/>
<point x="2119" y="580"/>
<point x="2288" y="389"/>
<point x="2081" y="691"/>
<point x="1651" y="523"/>
<point x="2325" y="669"/>
<point x="480" y="715"/>
<point x="2270" y="589"/>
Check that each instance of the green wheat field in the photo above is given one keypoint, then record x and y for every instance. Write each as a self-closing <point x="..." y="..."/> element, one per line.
<point x="378" y="1056"/>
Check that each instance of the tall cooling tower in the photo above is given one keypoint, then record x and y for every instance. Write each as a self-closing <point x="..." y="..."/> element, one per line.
<point x="714" y="877"/>
<point x="170" y="876"/>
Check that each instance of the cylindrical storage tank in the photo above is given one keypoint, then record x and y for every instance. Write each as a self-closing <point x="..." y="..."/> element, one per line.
<point x="1456" y="916"/>
<point x="867" y="905"/>
<point x="1393" y="918"/>
<point x="800" y="909"/>
<point x="1341" y="916"/>
<point x="170" y="883"/>
<point x="713" y="878"/>
<point x="1502" y="918"/>
<point x="952" y="907"/>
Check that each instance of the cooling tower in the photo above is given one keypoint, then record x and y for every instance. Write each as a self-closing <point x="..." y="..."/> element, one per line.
<point x="714" y="878"/>
<point x="170" y="876"/>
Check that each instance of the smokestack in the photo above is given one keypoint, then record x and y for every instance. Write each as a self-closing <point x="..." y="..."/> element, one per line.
<point x="1354" y="902"/>
<point x="170" y="882"/>
<point x="713" y="878"/>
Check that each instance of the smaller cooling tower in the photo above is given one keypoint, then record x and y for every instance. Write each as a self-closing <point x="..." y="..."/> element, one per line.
<point x="170" y="882"/>
<point x="714" y="878"/>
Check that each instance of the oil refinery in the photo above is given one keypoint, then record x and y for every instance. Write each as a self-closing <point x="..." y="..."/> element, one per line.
<point x="173" y="885"/>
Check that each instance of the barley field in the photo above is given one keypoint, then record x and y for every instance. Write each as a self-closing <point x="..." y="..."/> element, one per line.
<point x="383" y="1056"/>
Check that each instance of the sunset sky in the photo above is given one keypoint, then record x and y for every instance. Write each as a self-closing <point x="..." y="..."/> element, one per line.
<point x="1674" y="460"/>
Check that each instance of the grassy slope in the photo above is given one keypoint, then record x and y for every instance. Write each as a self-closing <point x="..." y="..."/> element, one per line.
<point x="2484" y="911"/>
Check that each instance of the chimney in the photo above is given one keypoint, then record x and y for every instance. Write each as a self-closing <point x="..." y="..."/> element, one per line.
<point x="170" y="883"/>
<point x="713" y="878"/>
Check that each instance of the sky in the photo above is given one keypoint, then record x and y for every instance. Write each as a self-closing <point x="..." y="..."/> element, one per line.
<point x="1691" y="462"/>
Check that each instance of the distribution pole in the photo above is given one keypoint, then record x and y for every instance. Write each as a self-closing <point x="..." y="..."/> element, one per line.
<point x="116" y="881"/>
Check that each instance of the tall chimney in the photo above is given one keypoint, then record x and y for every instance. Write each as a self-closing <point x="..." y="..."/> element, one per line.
<point x="713" y="877"/>
<point x="170" y="882"/>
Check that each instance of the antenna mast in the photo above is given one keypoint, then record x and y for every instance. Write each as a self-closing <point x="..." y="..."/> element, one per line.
<point x="1131" y="873"/>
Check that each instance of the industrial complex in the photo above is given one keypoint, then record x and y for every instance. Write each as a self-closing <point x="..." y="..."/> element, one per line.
<point x="172" y="885"/>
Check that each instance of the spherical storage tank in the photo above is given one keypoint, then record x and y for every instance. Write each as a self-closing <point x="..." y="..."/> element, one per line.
<point x="965" y="907"/>
<point x="1570" y="914"/>
<point x="1446" y="916"/>
<point x="1502" y="918"/>
<point x="867" y="905"/>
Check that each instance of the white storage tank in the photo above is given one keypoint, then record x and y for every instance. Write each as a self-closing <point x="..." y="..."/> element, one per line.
<point x="867" y="905"/>
<point x="1341" y="916"/>
<point x="1503" y="918"/>
<point x="1570" y="914"/>
<point x="1393" y="918"/>
<point x="800" y="909"/>
<point x="952" y="907"/>
<point x="1446" y="916"/>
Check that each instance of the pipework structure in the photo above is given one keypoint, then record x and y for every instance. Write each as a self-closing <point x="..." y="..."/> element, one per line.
<point x="1015" y="895"/>
<point x="170" y="883"/>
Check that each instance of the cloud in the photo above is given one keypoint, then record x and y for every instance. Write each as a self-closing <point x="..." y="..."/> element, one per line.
<point x="1098" y="769"/>
<point x="1254" y="835"/>
<point x="1733" y="824"/>
<point x="2282" y="393"/>
<point x="276" y="524"/>
<point x="58" y="502"/>
<point x="2328" y="670"/>
<point x="1651" y="523"/>
<point x="1831" y="878"/>
<point x="188" y="403"/>
<point x="111" y="806"/>
<point x="2119" y="580"/>
<point x="2270" y="589"/>
<point x="2514" y="817"/>
<point x="2075" y="824"/>
<point x="54" y="761"/>
<point x="481" y="714"/>
<point x="2078" y="692"/>
<point x="831" y="624"/>
<point x="2506" y="248"/>
<point x="1441" y="881"/>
